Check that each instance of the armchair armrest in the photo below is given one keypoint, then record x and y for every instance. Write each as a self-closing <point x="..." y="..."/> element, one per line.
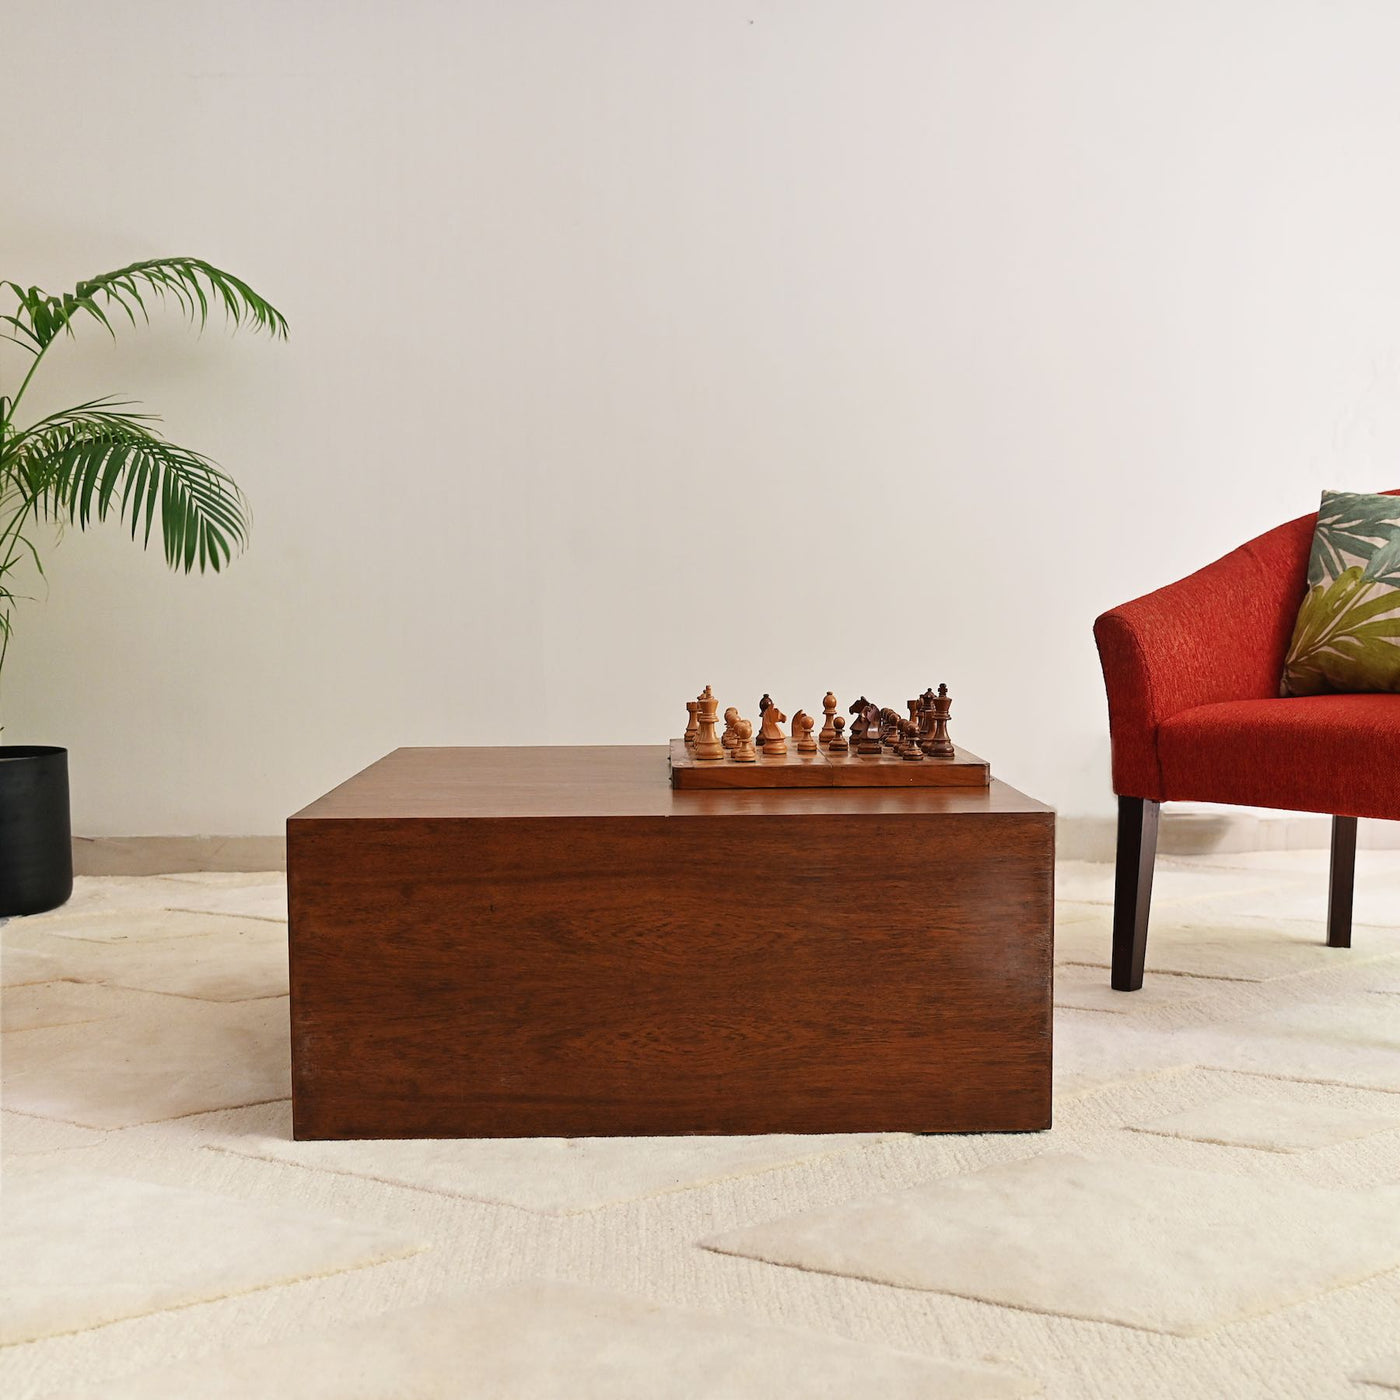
<point x="1219" y="634"/>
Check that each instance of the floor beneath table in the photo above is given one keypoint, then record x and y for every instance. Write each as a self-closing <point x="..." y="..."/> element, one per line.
<point x="1215" y="1213"/>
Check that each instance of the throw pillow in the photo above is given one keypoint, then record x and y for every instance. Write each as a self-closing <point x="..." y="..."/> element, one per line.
<point x="1347" y="637"/>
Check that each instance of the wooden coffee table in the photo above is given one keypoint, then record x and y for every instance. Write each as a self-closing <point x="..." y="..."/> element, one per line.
<point x="554" y="942"/>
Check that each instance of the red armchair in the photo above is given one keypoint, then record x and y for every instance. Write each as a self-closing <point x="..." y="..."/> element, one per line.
<point x="1192" y="673"/>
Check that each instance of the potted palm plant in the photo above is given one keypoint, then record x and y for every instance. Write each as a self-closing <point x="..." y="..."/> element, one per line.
<point x="101" y="458"/>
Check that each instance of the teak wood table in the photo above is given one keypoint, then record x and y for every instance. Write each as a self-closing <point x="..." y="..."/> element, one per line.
<point x="554" y="942"/>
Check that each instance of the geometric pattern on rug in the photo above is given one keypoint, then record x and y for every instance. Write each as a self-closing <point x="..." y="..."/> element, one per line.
<point x="22" y="1136"/>
<point x="262" y="896"/>
<point x="1383" y="979"/>
<point x="1084" y="988"/>
<point x="222" y="958"/>
<point x="34" y="1005"/>
<point x="1356" y="1043"/>
<point x="542" y="1340"/>
<point x="255" y="896"/>
<point x="1201" y="940"/>
<point x="1136" y="1243"/>
<point x="1113" y="1071"/>
<point x="163" y="1058"/>
<point x="1243" y="1120"/>
<point x="21" y="967"/>
<point x="84" y="1250"/>
<point x="1382" y="1371"/>
<point x="135" y="925"/>
<point x="553" y="1176"/>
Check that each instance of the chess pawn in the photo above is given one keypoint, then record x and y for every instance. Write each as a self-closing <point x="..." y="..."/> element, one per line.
<point x="838" y="743"/>
<point x="889" y="728"/>
<point x="707" y="744"/>
<point x="691" y="727"/>
<point x="802" y="727"/>
<point x="911" y="752"/>
<point x="828" y="733"/>
<point x="774" y="740"/>
<point x="762" y="710"/>
<point x="938" y="744"/>
<point x="743" y="750"/>
<point x="729" y="739"/>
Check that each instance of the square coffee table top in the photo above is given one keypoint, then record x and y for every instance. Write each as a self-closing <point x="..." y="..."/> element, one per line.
<point x="614" y="781"/>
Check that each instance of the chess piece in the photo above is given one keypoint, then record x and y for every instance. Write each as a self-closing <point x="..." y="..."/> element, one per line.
<point x="762" y="710"/>
<point x="938" y="744"/>
<point x="889" y="728"/>
<point x="802" y="726"/>
<point x="911" y="752"/>
<point x="915" y="708"/>
<point x="743" y="750"/>
<point x="838" y="743"/>
<point x="828" y="733"/>
<point x="926" y="713"/>
<point x="707" y="744"/>
<point x="691" y="727"/>
<point x="774" y="740"/>
<point x="729" y="739"/>
<point x="869" y="746"/>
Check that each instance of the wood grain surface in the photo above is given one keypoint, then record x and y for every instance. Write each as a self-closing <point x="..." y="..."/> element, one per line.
<point x="775" y="967"/>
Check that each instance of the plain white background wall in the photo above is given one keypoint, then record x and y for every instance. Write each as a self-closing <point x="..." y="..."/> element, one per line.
<point x="642" y="345"/>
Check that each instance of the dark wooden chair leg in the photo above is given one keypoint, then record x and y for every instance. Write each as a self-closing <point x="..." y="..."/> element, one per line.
<point x="1132" y="893"/>
<point x="1342" y="882"/>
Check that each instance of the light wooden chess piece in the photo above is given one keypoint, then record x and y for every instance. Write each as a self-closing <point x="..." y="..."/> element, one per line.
<point x="743" y="750"/>
<point x="829" y="703"/>
<point x="729" y="739"/>
<point x="691" y="728"/>
<point x="838" y="743"/>
<point x="774" y="740"/>
<point x="707" y="744"/>
<point x="802" y="726"/>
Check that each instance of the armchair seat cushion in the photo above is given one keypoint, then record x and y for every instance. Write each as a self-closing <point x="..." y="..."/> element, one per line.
<point x="1338" y="754"/>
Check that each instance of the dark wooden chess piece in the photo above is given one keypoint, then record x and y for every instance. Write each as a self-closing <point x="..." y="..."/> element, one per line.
<point x="938" y="744"/>
<point x="870" y="732"/>
<point x="762" y="706"/>
<point x="911" y="752"/>
<point x="838" y="743"/>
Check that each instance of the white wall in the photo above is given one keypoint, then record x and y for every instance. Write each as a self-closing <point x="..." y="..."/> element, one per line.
<point x="642" y="345"/>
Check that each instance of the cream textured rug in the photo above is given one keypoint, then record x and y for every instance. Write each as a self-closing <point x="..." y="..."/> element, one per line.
<point x="1214" y="1216"/>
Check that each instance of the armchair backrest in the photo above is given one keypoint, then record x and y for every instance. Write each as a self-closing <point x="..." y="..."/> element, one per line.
<point x="1219" y="634"/>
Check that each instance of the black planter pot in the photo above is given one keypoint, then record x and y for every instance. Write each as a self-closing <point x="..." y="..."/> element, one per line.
<point x="36" y="837"/>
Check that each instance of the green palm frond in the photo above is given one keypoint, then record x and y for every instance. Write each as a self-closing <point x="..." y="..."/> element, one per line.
<point x="193" y="284"/>
<point x="99" y="459"/>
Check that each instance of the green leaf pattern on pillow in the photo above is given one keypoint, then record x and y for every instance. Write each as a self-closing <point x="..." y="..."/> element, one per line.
<point x="1347" y="637"/>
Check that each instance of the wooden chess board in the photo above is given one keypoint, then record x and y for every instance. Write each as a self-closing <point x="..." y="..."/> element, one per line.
<point x="822" y="769"/>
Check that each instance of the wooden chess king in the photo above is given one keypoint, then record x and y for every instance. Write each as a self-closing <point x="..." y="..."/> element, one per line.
<point x="883" y="748"/>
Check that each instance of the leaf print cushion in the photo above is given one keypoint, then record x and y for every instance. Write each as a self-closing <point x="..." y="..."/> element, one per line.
<point x="1348" y="633"/>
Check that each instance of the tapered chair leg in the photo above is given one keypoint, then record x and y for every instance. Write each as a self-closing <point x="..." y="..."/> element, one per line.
<point x="1342" y="882"/>
<point x="1132" y="893"/>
